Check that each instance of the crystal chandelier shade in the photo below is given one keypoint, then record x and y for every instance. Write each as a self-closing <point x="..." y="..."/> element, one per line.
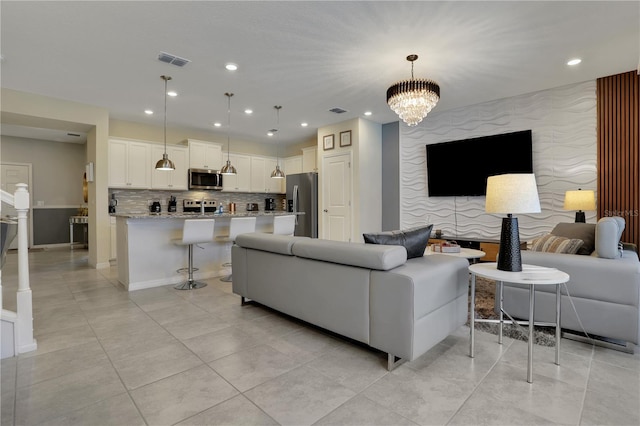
<point x="413" y="99"/>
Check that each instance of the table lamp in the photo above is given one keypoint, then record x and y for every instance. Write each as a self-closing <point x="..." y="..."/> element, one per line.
<point x="511" y="193"/>
<point x="580" y="200"/>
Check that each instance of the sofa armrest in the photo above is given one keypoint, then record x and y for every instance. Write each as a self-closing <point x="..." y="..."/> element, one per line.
<point x="402" y="301"/>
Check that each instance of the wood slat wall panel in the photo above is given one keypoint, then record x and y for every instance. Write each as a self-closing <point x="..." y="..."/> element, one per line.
<point x="618" y="110"/>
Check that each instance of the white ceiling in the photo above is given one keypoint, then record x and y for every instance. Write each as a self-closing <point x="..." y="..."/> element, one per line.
<point x="306" y="56"/>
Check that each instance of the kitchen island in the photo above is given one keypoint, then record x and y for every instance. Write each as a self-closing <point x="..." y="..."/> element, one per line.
<point x="148" y="257"/>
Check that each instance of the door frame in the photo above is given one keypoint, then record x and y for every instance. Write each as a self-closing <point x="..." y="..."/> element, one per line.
<point x="30" y="189"/>
<point x="321" y="230"/>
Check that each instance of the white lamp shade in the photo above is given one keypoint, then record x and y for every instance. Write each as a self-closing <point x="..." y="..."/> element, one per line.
<point x="579" y="200"/>
<point x="512" y="193"/>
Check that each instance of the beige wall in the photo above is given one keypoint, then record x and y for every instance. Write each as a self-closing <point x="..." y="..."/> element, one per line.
<point x="57" y="169"/>
<point x="366" y="178"/>
<point x="175" y="135"/>
<point x="28" y="109"/>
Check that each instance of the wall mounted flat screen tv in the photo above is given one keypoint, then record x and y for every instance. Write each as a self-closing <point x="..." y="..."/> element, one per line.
<point x="461" y="168"/>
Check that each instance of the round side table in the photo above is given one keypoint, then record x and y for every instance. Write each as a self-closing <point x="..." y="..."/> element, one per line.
<point x="531" y="275"/>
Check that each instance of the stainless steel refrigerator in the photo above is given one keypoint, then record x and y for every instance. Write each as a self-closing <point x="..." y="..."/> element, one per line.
<point x="302" y="196"/>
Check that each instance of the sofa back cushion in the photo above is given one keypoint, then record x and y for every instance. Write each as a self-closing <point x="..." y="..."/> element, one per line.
<point x="579" y="231"/>
<point x="415" y="240"/>
<point x="608" y="233"/>
<point x="280" y="244"/>
<point x="380" y="257"/>
<point x="554" y="244"/>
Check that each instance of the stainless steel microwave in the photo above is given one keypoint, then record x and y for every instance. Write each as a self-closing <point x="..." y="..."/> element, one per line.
<point x="205" y="179"/>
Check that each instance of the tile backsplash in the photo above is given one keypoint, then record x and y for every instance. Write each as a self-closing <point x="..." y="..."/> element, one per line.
<point x="135" y="201"/>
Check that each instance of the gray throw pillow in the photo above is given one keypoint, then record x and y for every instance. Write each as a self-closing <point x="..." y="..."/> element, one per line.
<point x="578" y="231"/>
<point x="415" y="240"/>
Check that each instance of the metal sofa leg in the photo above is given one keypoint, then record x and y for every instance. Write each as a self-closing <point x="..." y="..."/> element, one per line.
<point x="393" y="362"/>
<point x="618" y="345"/>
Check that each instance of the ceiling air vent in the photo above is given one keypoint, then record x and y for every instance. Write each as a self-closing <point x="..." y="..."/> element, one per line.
<point x="338" y="110"/>
<point x="173" y="59"/>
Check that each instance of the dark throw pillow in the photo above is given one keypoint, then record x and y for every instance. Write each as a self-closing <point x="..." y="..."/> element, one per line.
<point x="415" y="240"/>
<point x="578" y="231"/>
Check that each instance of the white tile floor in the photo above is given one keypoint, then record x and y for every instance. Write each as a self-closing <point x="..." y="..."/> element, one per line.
<point x="163" y="357"/>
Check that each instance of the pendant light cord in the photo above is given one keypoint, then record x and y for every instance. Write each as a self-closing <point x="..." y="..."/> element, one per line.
<point x="165" y="78"/>
<point x="277" y="107"/>
<point x="228" y="95"/>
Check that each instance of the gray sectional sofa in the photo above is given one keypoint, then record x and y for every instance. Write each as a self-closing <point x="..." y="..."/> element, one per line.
<point x="369" y="293"/>
<point x="603" y="294"/>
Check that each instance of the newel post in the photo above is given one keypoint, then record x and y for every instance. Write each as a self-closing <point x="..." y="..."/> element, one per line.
<point x="26" y="342"/>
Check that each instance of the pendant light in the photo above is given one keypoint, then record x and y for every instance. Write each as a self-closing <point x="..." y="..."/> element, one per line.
<point x="165" y="163"/>
<point x="228" y="168"/>
<point x="277" y="173"/>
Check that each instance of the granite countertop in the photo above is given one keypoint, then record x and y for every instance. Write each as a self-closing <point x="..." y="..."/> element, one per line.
<point x="182" y="215"/>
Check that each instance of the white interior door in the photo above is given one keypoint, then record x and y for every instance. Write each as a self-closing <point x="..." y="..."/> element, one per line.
<point x="10" y="175"/>
<point x="336" y="197"/>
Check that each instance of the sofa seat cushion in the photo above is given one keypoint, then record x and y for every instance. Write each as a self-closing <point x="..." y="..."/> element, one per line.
<point x="580" y="231"/>
<point x="415" y="240"/>
<point x="379" y="257"/>
<point x="554" y="244"/>
<point x="280" y="244"/>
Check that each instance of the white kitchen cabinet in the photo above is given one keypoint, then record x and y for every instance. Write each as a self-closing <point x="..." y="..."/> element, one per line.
<point x="205" y="155"/>
<point x="309" y="159"/>
<point x="293" y="165"/>
<point x="261" y="180"/>
<point x="240" y="182"/>
<point x="258" y="173"/>
<point x="170" y="179"/>
<point x="129" y="164"/>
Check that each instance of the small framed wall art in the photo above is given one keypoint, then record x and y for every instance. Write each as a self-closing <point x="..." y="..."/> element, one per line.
<point x="345" y="138"/>
<point x="328" y="142"/>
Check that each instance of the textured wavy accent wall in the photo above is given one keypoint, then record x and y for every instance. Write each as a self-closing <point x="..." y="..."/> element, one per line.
<point x="563" y="124"/>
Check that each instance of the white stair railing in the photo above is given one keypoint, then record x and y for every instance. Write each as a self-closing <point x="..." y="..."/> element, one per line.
<point x="23" y="328"/>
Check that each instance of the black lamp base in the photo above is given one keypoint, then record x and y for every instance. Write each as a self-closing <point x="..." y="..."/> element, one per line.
<point x="509" y="258"/>
<point x="580" y="217"/>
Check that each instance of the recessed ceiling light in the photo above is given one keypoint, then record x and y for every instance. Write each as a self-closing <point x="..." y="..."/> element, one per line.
<point x="231" y="67"/>
<point x="304" y="124"/>
<point x="367" y="113"/>
<point x="148" y="112"/>
<point x="575" y="61"/>
<point x="217" y="124"/>
<point x="269" y="133"/>
<point x="248" y="111"/>
<point x="172" y="93"/>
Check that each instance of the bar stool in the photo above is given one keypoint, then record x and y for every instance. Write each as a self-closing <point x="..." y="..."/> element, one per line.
<point x="194" y="231"/>
<point x="284" y="225"/>
<point x="237" y="226"/>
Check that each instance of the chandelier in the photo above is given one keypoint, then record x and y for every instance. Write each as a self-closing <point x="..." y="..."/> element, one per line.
<point x="413" y="99"/>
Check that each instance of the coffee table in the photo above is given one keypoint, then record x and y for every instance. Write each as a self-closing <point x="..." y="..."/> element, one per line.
<point x="531" y="275"/>
<point x="471" y="255"/>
